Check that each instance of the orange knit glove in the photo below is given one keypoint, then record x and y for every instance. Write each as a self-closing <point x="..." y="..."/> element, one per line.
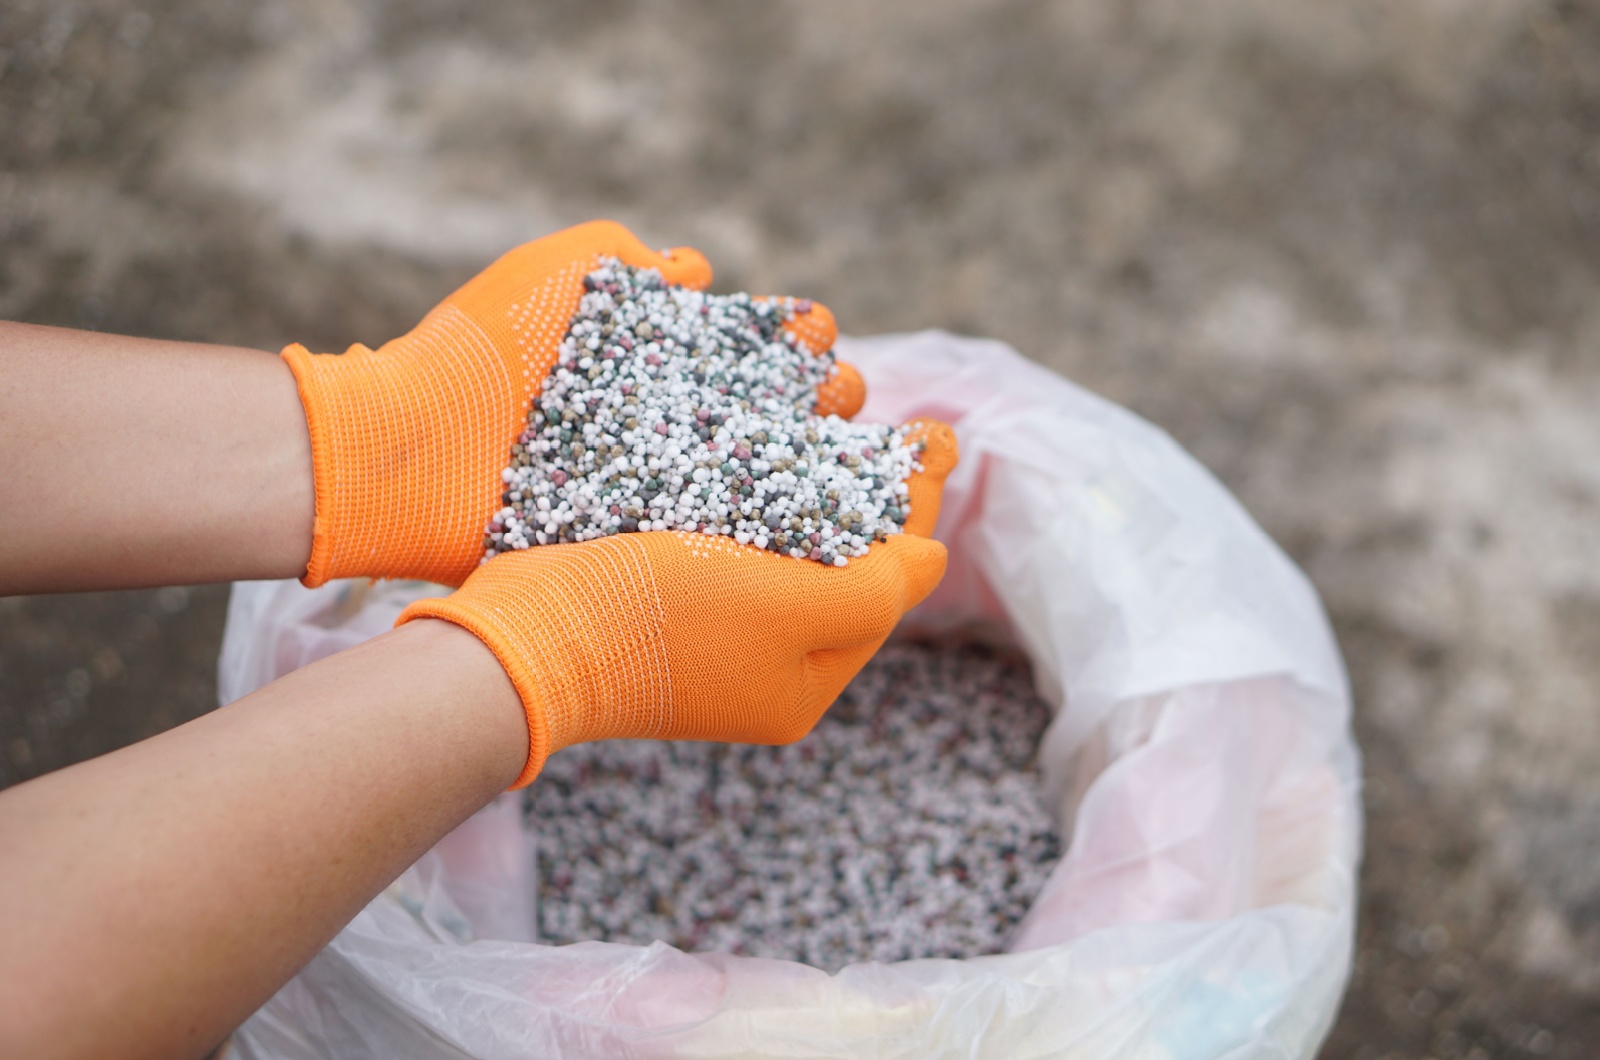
<point x="407" y="442"/>
<point x="683" y="636"/>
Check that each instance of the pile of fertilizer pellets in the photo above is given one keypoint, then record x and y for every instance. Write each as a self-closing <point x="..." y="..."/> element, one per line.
<point x="910" y="823"/>
<point x="672" y="409"/>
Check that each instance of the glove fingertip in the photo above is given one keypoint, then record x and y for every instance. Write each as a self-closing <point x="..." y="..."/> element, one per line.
<point x="685" y="267"/>
<point x="679" y="266"/>
<point x="939" y="457"/>
<point x="940" y="451"/>
<point x="843" y="393"/>
<point x="813" y="324"/>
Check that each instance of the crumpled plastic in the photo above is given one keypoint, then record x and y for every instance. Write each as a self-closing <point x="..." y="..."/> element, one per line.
<point x="1200" y="763"/>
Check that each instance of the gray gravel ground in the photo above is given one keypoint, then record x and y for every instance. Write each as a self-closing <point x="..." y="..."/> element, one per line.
<point x="1348" y="253"/>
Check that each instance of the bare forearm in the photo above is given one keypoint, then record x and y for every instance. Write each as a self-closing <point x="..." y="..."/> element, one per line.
<point x="134" y="462"/>
<point x="154" y="897"/>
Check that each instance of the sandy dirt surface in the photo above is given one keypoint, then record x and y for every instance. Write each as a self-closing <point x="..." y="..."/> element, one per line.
<point x="1348" y="253"/>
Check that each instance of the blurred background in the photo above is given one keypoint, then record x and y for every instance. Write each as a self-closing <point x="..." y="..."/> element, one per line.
<point x="1346" y="252"/>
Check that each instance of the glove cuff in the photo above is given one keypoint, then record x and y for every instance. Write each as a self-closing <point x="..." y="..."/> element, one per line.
<point x="319" y="416"/>
<point x="406" y="461"/>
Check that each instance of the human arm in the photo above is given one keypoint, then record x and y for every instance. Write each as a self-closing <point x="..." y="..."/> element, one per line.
<point x="139" y="462"/>
<point x="152" y="898"/>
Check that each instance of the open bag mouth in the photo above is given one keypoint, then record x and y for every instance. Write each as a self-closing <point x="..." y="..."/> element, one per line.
<point x="1200" y="764"/>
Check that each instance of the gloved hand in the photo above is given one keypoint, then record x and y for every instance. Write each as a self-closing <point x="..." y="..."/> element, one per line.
<point x="408" y="441"/>
<point x="686" y="636"/>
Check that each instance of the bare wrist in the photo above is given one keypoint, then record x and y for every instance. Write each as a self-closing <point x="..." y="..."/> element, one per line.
<point x="487" y="701"/>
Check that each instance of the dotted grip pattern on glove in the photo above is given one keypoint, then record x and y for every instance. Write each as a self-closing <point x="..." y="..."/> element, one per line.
<point x="669" y="635"/>
<point x="408" y="441"/>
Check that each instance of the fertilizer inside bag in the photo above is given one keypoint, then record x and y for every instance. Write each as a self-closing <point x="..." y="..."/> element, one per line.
<point x="1200" y="767"/>
<point x="910" y="822"/>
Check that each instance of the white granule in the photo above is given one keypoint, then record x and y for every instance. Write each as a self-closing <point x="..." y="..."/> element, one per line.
<point x="672" y="409"/>
<point x="910" y="823"/>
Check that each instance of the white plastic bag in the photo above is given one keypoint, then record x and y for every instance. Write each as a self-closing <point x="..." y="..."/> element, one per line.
<point x="1201" y="759"/>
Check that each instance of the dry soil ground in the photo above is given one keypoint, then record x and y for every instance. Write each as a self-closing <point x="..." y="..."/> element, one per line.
<point x="1348" y="252"/>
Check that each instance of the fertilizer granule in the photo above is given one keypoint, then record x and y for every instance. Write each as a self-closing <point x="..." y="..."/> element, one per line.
<point x="672" y="409"/>
<point x="909" y="823"/>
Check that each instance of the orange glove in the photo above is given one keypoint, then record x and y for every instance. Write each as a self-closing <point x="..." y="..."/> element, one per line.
<point x="685" y="636"/>
<point x="407" y="443"/>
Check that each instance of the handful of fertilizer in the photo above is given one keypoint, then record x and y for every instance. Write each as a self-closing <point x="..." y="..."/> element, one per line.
<point x="672" y="409"/>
